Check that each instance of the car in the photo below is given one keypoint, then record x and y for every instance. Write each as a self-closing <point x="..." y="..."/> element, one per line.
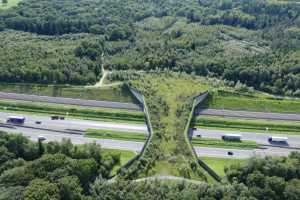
<point x="230" y="153"/>
<point x="62" y="118"/>
<point x="41" y="138"/>
<point x="38" y="122"/>
<point x="54" y="117"/>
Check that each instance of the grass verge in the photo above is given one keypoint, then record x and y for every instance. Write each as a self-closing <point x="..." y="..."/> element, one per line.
<point x="125" y="156"/>
<point x="219" y="164"/>
<point x="103" y="114"/>
<point x="209" y="142"/>
<point x="254" y="125"/>
<point x="117" y="135"/>
<point x="233" y="101"/>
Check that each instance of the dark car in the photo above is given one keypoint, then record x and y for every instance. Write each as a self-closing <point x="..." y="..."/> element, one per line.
<point x="38" y="122"/>
<point x="54" y="117"/>
<point x="230" y="153"/>
<point x="62" y="118"/>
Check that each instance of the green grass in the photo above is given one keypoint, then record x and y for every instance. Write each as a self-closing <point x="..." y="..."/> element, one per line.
<point x="253" y="125"/>
<point x="260" y="103"/>
<point x="103" y="114"/>
<point x="169" y="98"/>
<point x="117" y="93"/>
<point x="219" y="164"/>
<point x="117" y="135"/>
<point x="10" y="3"/>
<point x="125" y="156"/>
<point x="209" y="142"/>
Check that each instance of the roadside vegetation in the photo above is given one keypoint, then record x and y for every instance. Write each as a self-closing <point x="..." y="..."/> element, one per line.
<point x="252" y="125"/>
<point x="116" y="135"/>
<point x="125" y="156"/>
<point x="103" y="114"/>
<point x="141" y="137"/>
<point x="235" y="99"/>
<point x="218" y="143"/>
<point x="117" y="93"/>
<point x="220" y="165"/>
<point x="252" y="179"/>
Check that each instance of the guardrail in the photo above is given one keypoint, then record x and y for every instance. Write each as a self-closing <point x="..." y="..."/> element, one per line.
<point x="196" y="102"/>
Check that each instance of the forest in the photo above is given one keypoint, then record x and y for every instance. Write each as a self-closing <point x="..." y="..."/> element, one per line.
<point x="255" y="42"/>
<point x="63" y="171"/>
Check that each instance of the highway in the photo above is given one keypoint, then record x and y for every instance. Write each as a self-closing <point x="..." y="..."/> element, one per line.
<point x="137" y="146"/>
<point x="260" y="138"/>
<point x="69" y="101"/>
<point x="131" y="106"/>
<point x="73" y="124"/>
<point x="56" y="128"/>
<point x="249" y="114"/>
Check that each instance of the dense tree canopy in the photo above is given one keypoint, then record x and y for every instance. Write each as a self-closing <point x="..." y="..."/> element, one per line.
<point x="64" y="171"/>
<point x="255" y="42"/>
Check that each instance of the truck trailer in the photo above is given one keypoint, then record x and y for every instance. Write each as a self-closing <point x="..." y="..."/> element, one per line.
<point x="15" y="120"/>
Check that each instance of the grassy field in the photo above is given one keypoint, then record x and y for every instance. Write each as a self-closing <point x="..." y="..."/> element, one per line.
<point x="103" y="114"/>
<point x="219" y="164"/>
<point x="255" y="102"/>
<point x="9" y="4"/>
<point x="125" y="156"/>
<point x="209" y="142"/>
<point x="254" y="125"/>
<point x="117" y="93"/>
<point x="117" y="135"/>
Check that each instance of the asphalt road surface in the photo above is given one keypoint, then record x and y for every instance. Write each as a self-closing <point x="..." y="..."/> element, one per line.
<point x="73" y="124"/>
<point x="137" y="146"/>
<point x="248" y="114"/>
<point x="55" y="126"/>
<point x="78" y="125"/>
<point x="69" y="101"/>
<point x="131" y="106"/>
<point x="260" y="138"/>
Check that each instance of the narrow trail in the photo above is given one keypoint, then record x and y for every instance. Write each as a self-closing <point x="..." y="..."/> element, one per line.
<point x="104" y="73"/>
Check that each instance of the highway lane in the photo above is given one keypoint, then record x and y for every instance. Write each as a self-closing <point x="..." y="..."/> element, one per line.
<point x="131" y="106"/>
<point x="69" y="101"/>
<point x="82" y="125"/>
<point x="260" y="138"/>
<point x="241" y="154"/>
<point x="73" y="124"/>
<point x="249" y="114"/>
<point x="76" y="139"/>
<point x="137" y="146"/>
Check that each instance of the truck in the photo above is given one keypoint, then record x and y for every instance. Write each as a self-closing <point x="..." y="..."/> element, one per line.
<point x="15" y="120"/>
<point x="278" y="139"/>
<point x="231" y="137"/>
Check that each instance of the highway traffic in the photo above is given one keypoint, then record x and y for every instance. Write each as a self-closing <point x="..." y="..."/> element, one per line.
<point x="74" y="128"/>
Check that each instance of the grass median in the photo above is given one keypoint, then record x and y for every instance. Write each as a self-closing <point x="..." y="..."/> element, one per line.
<point x="254" y="125"/>
<point x="116" y="135"/>
<point x="103" y="114"/>
<point x="210" y="142"/>
<point x="141" y="137"/>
